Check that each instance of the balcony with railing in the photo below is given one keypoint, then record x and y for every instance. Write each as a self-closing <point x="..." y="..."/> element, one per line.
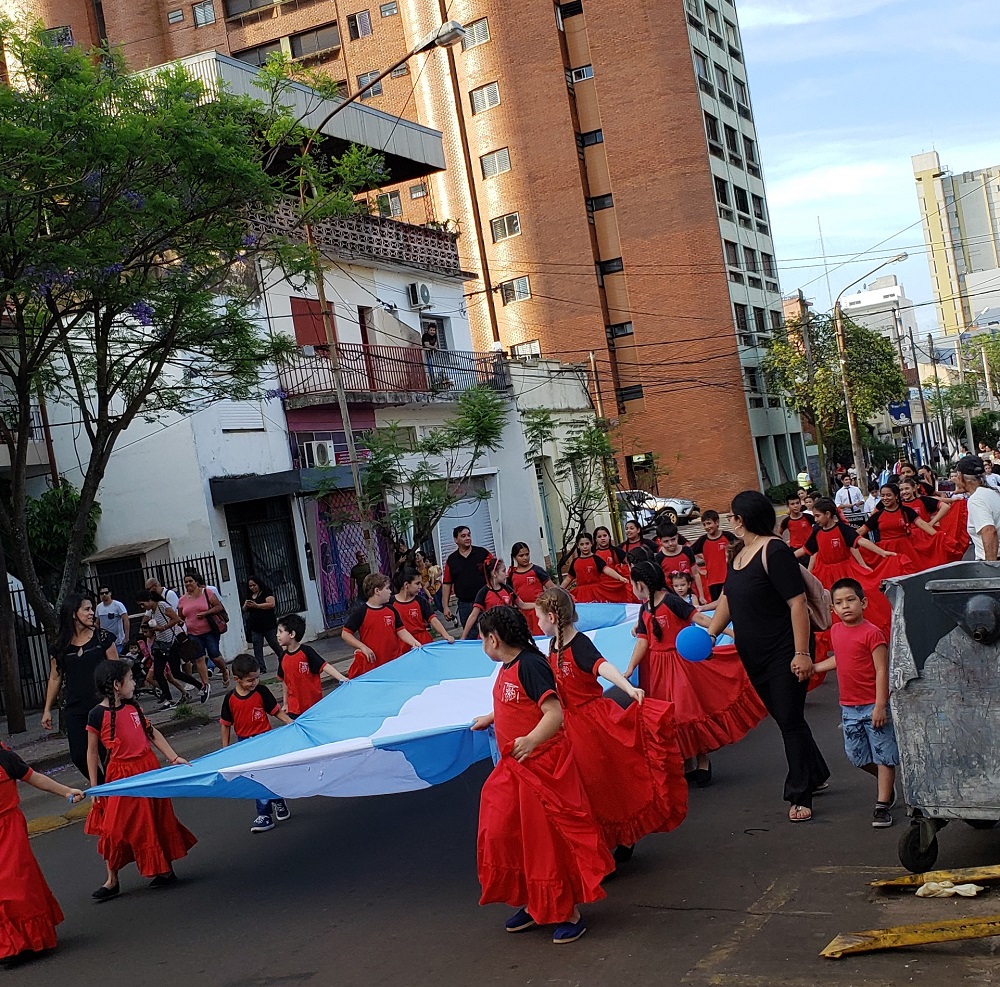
<point x="391" y="375"/>
<point x="37" y="457"/>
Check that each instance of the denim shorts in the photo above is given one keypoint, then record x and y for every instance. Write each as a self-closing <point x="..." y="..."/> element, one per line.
<point x="863" y="743"/>
<point x="207" y="643"/>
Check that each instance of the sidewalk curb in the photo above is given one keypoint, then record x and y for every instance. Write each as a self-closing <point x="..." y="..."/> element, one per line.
<point x="48" y="824"/>
<point x="60" y="759"/>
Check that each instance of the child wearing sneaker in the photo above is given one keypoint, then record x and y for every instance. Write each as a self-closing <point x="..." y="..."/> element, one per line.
<point x="246" y="712"/>
<point x="861" y="658"/>
<point x="300" y="667"/>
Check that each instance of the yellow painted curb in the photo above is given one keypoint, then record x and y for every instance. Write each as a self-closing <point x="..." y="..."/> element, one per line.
<point x="46" y="824"/>
<point x="80" y="811"/>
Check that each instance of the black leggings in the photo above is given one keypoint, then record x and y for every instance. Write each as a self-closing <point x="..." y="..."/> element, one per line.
<point x="75" y="726"/>
<point x="163" y="659"/>
<point x="785" y="699"/>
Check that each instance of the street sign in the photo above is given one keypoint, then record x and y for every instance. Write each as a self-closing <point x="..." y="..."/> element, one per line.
<point x="899" y="413"/>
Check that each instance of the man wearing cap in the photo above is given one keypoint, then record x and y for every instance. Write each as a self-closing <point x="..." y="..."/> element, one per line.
<point x="984" y="506"/>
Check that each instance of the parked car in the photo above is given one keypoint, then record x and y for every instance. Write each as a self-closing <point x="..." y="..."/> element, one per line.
<point x="648" y="508"/>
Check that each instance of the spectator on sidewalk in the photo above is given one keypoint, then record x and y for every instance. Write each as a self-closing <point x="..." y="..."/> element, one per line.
<point x="464" y="575"/>
<point x="165" y="623"/>
<point x="169" y="596"/>
<point x="112" y="615"/>
<point x="262" y="621"/>
<point x="79" y="647"/>
<point x="198" y="608"/>
<point x="849" y="497"/>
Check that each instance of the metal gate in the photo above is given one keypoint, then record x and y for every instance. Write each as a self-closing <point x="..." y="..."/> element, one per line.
<point x="262" y="538"/>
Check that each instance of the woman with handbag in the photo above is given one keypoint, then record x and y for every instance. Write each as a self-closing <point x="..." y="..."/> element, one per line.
<point x="261" y="620"/>
<point x="206" y="620"/>
<point x="765" y="598"/>
<point x="165" y="623"/>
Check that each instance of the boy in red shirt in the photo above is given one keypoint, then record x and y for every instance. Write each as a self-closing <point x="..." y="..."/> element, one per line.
<point x="246" y="712"/>
<point x="300" y="668"/>
<point x="374" y="629"/>
<point x="861" y="658"/>
<point x="796" y="527"/>
<point x="713" y="547"/>
<point x="675" y="557"/>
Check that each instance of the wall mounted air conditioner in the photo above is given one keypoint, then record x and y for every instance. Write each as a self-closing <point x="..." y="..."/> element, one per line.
<point x="315" y="454"/>
<point x="419" y="295"/>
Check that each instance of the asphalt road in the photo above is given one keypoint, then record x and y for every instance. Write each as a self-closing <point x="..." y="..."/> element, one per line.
<point x="383" y="891"/>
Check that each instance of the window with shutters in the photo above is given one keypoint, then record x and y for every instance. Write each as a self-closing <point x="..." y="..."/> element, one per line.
<point x="313" y="42"/>
<point x="175" y="16"/>
<point x="485" y="97"/>
<point x="389" y="204"/>
<point x="633" y="393"/>
<point x="504" y="227"/>
<point x="495" y="162"/>
<point x="531" y="350"/>
<point x="240" y="416"/>
<point x="418" y="191"/>
<point x="258" y="55"/>
<point x="364" y="79"/>
<point x="307" y="321"/>
<point x="582" y="73"/>
<point x="613" y="266"/>
<point x="597" y="202"/>
<point x="476" y="33"/>
<point x="389" y="9"/>
<point x="515" y="290"/>
<point x="203" y="13"/>
<point x="399" y="71"/>
<point x="571" y="9"/>
<point x="359" y="25"/>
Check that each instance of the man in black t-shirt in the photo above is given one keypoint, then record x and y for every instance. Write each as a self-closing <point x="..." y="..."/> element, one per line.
<point x="464" y="574"/>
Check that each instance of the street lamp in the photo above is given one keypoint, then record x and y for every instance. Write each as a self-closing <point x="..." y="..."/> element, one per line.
<point x="852" y="421"/>
<point x="449" y="33"/>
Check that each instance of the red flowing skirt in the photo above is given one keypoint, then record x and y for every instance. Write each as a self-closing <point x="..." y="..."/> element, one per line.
<point x="539" y="845"/>
<point x="923" y="551"/>
<point x="631" y="766"/>
<point x="953" y="533"/>
<point x="29" y="913"/>
<point x="360" y="665"/>
<point x="591" y="593"/>
<point x="714" y="702"/>
<point x="142" y="830"/>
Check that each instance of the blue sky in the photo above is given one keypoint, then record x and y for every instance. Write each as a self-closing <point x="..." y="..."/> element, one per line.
<point x="844" y="92"/>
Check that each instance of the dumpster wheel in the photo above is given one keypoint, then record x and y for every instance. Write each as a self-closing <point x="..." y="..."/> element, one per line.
<point x="912" y="855"/>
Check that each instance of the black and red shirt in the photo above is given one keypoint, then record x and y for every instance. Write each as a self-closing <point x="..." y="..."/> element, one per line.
<point x="586" y="569"/>
<point x="641" y="544"/>
<point x="683" y="561"/>
<point x="715" y="552"/>
<point x="249" y="715"/>
<point x="130" y="738"/>
<point x="518" y="693"/>
<point x="799" y="529"/>
<point x="300" y="671"/>
<point x="528" y="584"/>
<point x="892" y="524"/>
<point x="926" y="507"/>
<point x="12" y="770"/>
<point x="488" y="598"/>
<point x="832" y="545"/>
<point x="377" y="628"/>
<point x="575" y="668"/>
<point x="672" y="614"/>
<point x="415" y="615"/>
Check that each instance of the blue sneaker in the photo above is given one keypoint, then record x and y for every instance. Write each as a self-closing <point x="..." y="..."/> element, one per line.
<point x="519" y="921"/>
<point x="262" y="824"/>
<point x="569" y="931"/>
<point x="280" y="810"/>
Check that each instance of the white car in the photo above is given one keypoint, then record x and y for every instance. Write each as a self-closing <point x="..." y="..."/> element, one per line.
<point x="647" y="508"/>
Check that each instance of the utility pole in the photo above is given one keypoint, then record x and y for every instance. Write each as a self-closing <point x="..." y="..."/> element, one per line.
<point x="988" y="378"/>
<point x="926" y="426"/>
<point x="966" y="413"/>
<point x="945" y="438"/>
<point x="852" y="421"/>
<point x="805" y="329"/>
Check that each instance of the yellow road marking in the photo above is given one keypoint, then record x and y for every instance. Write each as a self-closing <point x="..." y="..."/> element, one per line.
<point x="48" y="824"/>
<point x="960" y="876"/>
<point x="902" y="936"/>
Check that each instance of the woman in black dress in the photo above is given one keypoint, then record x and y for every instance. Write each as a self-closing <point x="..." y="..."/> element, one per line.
<point x="79" y="647"/>
<point x="262" y="620"/>
<point x="773" y="637"/>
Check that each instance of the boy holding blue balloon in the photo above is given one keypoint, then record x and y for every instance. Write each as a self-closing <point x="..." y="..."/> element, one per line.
<point x="861" y="658"/>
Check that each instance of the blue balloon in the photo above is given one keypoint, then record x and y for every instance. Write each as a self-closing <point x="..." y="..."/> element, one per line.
<point x="694" y="643"/>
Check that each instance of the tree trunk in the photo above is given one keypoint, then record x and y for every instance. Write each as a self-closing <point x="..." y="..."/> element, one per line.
<point x="824" y="476"/>
<point x="10" y="672"/>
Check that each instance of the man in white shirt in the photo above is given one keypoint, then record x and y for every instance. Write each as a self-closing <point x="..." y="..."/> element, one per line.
<point x="113" y="617"/>
<point x="849" y="497"/>
<point x="169" y="596"/>
<point x="983" y="502"/>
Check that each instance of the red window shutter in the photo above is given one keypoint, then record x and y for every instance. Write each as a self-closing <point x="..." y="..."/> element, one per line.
<point x="307" y="322"/>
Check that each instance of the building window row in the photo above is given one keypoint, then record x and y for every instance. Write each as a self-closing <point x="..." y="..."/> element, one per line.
<point x="365" y="79"/>
<point x="316" y="41"/>
<point x="496" y="162"/>
<point x="359" y="25"/>
<point x="485" y="97"/>
<point x="515" y="290"/>
<point x="732" y="90"/>
<point x="505" y="227"/>
<point x="477" y="33"/>
<point x="746" y="203"/>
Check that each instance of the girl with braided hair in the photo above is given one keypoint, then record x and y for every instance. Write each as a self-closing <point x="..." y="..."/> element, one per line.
<point x="497" y="592"/>
<point x="714" y="702"/>
<point x="140" y="830"/>
<point x="629" y="758"/>
<point x="540" y="849"/>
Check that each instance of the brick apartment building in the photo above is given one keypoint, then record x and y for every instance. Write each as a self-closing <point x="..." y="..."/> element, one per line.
<point x="603" y="171"/>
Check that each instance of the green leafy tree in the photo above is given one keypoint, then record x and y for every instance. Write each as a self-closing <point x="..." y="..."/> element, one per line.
<point x="577" y="476"/>
<point x="802" y="363"/>
<point x="50" y="519"/>
<point x="409" y="485"/>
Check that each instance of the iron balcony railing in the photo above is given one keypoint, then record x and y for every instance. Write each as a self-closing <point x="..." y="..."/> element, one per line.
<point x="383" y="370"/>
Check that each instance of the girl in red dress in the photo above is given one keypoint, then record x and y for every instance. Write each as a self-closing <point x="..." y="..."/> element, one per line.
<point x="140" y="830"/>
<point x="414" y="609"/>
<point x="605" y="548"/>
<point x="950" y="548"/>
<point x="496" y="593"/>
<point x="900" y="529"/>
<point x="540" y="849"/>
<point x="629" y="758"/>
<point x="29" y="913"/>
<point x="586" y="571"/>
<point x="714" y="702"/>
<point x="527" y="581"/>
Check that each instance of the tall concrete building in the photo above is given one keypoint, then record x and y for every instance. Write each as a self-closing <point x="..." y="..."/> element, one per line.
<point x="961" y="221"/>
<point x="603" y="172"/>
<point x="882" y="305"/>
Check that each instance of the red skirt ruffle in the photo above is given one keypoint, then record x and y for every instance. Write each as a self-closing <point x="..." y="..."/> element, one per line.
<point x="29" y="913"/>
<point x="360" y="665"/>
<point x="539" y="844"/>
<point x="631" y="766"/>
<point x="591" y="593"/>
<point x="953" y="532"/>
<point x="714" y="702"/>
<point x="140" y="830"/>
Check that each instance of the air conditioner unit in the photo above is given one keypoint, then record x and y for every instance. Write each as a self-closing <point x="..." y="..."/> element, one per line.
<point x="307" y="350"/>
<point x="419" y="294"/>
<point x="315" y="454"/>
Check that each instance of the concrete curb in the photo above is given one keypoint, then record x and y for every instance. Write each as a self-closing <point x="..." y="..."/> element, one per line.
<point x="59" y="759"/>
<point x="46" y="824"/>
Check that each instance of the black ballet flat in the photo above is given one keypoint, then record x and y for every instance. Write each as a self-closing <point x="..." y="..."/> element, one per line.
<point x="702" y="777"/>
<point x="623" y="853"/>
<point x="106" y="894"/>
<point x="163" y="880"/>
